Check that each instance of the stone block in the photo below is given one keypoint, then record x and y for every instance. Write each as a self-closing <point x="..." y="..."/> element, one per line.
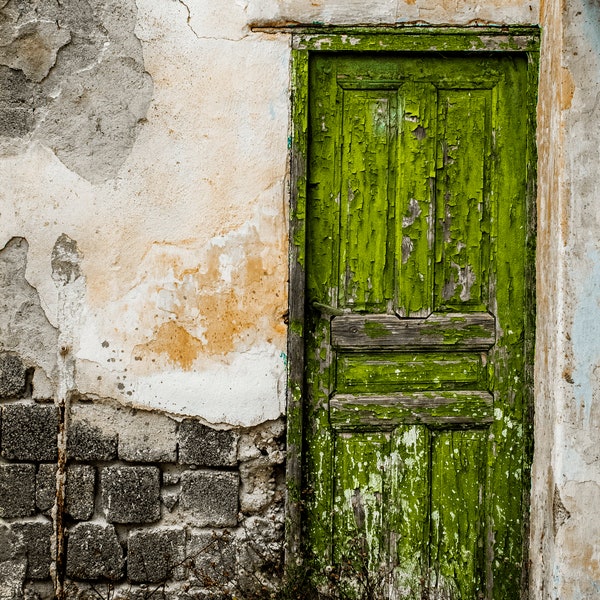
<point x="211" y="556"/>
<point x="94" y="552"/>
<point x="148" y="437"/>
<point x="85" y="441"/>
<point x="17" y="490"/>
<point x="155" y="555"/>
<point x="80" y="491"/>
<point x="29" y="432"/>
<point x="13" y="376"/>
<point x="9" y="544"/>
<point x="203" y="446"/>
<point x="131" y="494"/>
<point x="211" y="497"/>
<point x="45" y="487"/>
<point x="39" y="590"/>
<point x="34" y="542"/>
<point x="200" y="594"/>
<point x="12" y="577"/>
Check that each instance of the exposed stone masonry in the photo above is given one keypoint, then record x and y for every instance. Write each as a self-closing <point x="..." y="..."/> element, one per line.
<point x="149" y="502"/>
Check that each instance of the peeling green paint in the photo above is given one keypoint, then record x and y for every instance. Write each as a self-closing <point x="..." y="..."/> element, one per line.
<point x="359" y="372"/>
<point x="418" y="200"/>
<point x="374" y="330"/>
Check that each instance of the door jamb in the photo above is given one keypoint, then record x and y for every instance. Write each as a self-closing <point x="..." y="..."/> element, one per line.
<point x="307" y="41"/>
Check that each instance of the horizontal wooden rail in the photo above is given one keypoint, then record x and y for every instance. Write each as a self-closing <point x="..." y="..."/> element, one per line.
<point x="439" y="331"/>
<point x="384" y="412"/>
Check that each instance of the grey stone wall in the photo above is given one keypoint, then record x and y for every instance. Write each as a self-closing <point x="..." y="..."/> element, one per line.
<point x="99" y="500"/>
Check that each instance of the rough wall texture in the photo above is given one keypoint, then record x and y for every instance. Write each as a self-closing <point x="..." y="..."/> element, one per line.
<point x="373" y="12"/>
<point x="143" y="158"/>
<point x="153" y="145"/>
<point x="565" y="561"/>
<point x="139" y="502"/>
<point x="73" y="77"/>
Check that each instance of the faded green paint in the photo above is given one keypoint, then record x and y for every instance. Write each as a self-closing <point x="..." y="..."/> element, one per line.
<point x="419" y="39"/>
<point x="359" y="372"/>
<point x="355" y="331"/>
<point x="417" y="200"/>
<point x="440" y="409"/>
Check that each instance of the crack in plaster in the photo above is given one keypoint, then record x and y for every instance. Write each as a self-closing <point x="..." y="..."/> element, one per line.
<point x="189" y="18"/>
<point x="208" y="37"/>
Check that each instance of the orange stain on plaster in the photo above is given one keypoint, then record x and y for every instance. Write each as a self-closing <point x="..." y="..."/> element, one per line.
<point x="567" y="89"/>
<point x="584" y="556"/>
<point x="233" y="300"/>
<point x="176" y="343"/>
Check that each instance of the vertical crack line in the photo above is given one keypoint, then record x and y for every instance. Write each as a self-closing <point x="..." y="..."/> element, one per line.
<point x="189" y="17"/>
<point x="59" y="505"/>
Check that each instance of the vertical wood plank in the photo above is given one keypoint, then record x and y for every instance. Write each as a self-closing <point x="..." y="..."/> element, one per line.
<point x="415" y="218"/>
<point x="458" y="515"/>
<point x="296" y="292"/>
<point x="463" y="220"/>
<point x="367" y="143"/>
<point x="360" y="460"/>
<point x="407" y="508"/>
<point x="508" y="360"/>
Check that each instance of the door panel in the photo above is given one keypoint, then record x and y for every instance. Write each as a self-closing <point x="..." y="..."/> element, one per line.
<point x="366" y="279"/>
<point x="463" y="217"/>
<point x="414" y="433"/>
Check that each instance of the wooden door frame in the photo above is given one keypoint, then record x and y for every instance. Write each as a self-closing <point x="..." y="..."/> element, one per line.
<point x="307" y="41"/>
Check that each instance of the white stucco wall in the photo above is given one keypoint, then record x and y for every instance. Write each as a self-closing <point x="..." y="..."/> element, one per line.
<point x="565" y="547"/>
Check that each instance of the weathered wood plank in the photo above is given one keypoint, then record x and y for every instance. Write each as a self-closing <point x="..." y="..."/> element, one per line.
<point x="415" y="218"/>
<point x="463" y="212"/>
<point x="386" y="412"/>
<point x="457" y="531"/>
<point x="407" y="501"/>
<point x="359" y="498"/>
<point x="365" y="275"/>
<point x="384" y="372"/>
<point x="456" y="331"/>
<point x="407" y="38"/>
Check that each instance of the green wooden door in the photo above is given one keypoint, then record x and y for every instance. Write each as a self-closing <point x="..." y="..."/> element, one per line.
<point x="416" y="420"/>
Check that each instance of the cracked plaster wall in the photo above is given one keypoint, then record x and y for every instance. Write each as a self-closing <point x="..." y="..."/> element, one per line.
<point x="152" y="138"/>
<point x="565" y="555"/>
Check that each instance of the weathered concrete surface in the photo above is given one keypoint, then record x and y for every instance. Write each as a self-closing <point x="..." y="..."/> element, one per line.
<point x="566" y="476"/>
<point x="25" y="330"/>
<point x="393" y="11"/>
<point x="93" y="97"/>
